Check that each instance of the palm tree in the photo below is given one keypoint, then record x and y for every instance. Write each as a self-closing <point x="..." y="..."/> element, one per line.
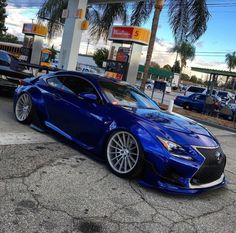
<point x="230" y="60"/>
<point x="186" y="52"/>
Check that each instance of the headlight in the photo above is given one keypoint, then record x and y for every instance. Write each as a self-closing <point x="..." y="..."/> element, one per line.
<point x="175" y="149"/>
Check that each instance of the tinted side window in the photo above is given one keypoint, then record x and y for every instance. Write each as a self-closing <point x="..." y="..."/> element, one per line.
<point x="201" y="97"/>
<point x="78" y="85"/>
<point x="55" y="82"/>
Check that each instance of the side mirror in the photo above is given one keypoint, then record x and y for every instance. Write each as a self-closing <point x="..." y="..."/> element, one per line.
<point x="88" y="97"/>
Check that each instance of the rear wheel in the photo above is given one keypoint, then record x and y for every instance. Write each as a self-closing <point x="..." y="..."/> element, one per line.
<point x="24" y="109"/>
<point x="187" y="106"/>
<point x="124" y="155"/>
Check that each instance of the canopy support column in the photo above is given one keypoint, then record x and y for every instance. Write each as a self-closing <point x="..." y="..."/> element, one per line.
<point x="72" y="35"/>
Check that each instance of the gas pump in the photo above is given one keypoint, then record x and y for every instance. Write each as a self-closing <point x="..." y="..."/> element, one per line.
<point x="125" y="52"/>
<point x="31" y="51"/>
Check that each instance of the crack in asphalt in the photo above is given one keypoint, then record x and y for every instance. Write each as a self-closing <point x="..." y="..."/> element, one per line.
<point x="157" y="211"/>
<point x="200" y="216"/>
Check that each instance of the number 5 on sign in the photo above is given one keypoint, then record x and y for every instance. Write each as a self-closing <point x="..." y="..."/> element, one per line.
<point x="141" y="34"/>
<point x="136" y="34"/>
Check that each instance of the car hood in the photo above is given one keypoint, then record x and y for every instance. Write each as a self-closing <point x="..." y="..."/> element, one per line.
<point x="177" y="128"/>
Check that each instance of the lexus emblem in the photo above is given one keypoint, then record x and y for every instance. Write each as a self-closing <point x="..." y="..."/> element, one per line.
<point x="218" y="156"/>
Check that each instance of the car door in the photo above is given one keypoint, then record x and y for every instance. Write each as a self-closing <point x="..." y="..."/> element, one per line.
<point x="198" y="102"/>
<point x="83" y="120"/>
<point x="53" y="93"/>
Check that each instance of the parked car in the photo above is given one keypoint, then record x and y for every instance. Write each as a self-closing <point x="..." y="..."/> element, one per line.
<point x="168" y="88"/>
<point x="225" y="96"/>
<point x="55" y="63"/>
<point x="183" y="87"/>
<point x="194" y="89"/>
<point x="120" y="124"/>
<point x="11" y="71"/>
<point x="150" y="84"/>
<point x="194" y="102"/>
<point x="227" y="112"/>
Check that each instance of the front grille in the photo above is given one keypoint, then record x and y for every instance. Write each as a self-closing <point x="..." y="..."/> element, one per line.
<point x="212" y="168"/>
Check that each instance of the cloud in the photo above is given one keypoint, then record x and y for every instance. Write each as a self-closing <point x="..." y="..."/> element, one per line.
<point x="161" y="53"/>
<point x="25" y="3"/>
<point x="15" y="20"/>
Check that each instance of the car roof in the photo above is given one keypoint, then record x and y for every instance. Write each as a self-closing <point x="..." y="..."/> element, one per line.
<point x="89" y="76"/>
<point x="196" y="86"/>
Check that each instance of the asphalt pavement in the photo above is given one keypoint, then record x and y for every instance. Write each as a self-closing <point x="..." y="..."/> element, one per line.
<point x="48" y="185"/>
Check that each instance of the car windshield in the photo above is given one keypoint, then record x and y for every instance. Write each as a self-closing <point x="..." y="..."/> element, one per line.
<point x="126" y="95"/>
<point x="196" y="89"/>
<point x="222" y="94"/>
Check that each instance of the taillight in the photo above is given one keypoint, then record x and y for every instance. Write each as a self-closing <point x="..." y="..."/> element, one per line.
<point x="21" y="82"/>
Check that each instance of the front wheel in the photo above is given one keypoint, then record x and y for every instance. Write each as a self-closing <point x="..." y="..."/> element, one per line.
<point x="124" y="155"/>
<point x="187" y="107"/>
<point x="24" y="109"/>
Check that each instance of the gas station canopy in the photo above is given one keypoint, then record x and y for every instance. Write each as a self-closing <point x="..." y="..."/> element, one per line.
<point x="214" y="72"/>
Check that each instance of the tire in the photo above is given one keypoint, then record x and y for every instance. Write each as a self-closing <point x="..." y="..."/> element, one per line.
<point x="24" y="109"/>
<point x="149" y="88"/>
<point x="187" y="107"/>
<point x="124" y="155"/>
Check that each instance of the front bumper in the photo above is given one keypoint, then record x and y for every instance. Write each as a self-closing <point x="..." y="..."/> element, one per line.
<point x="190" y="177"/>
<point x="172" y="188"/>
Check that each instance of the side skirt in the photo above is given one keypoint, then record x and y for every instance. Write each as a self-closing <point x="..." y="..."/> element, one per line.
<point x="53" y="127"/>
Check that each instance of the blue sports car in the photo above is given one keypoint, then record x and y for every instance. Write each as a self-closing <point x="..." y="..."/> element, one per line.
<point x="120" y="124"/>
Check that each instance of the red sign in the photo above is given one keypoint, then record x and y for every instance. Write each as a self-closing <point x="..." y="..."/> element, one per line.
<point x="122" y="32"/>
<point x="130" y="33"/>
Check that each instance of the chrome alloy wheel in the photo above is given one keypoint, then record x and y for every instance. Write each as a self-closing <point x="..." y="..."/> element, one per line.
<point x="23" y="107"/>
<point x="123" y="152"/>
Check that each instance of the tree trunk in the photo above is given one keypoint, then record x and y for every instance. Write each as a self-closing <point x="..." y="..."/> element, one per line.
<point x="158" y="7"/>
<point x="180" y="73"/>
<point x="177" y="55"/>
<point x="234" y="82"/>
<point x="227" y="79"/>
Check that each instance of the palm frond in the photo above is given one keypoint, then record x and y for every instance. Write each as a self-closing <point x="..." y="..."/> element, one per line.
<point x="51" y="11"/>
<point x="105" y="17"/>
<point x="198" y="17"/>
<point x="179" y="19"/>
<point x="141" y="12"/>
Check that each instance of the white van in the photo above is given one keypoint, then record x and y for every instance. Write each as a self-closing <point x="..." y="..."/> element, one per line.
<point x="195" y="89"/>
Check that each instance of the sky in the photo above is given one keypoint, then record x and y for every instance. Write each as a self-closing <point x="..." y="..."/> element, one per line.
<point x="219" y="39"/>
